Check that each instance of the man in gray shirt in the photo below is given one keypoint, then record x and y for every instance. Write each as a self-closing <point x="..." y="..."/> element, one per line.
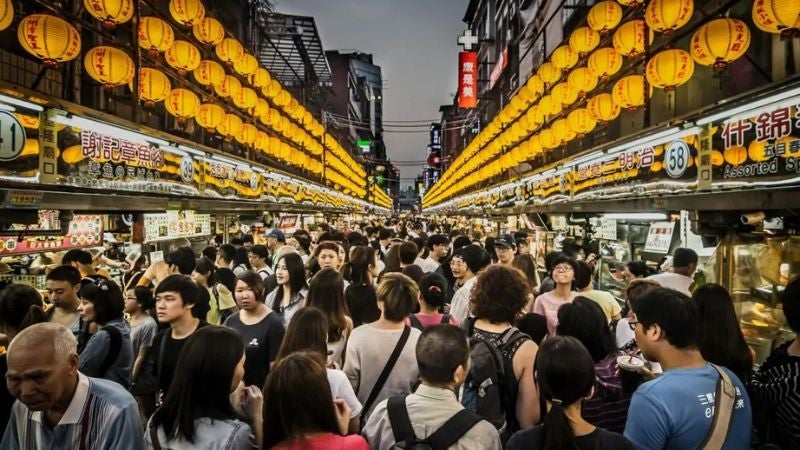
<point x="443" y="359"/>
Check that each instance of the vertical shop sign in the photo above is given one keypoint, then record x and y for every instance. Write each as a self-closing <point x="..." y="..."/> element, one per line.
<point x="48" y="156"/>
<point x="467" y="79"/>
<point x="499" y="66"/>
<point x="659" y="237"/>
<point x="704" y="165"/>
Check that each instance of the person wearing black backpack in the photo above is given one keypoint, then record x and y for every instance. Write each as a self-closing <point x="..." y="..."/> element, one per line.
<point x="432" y="418"/>
<point x="500" y="386"/>
<point x="432" y="289"/>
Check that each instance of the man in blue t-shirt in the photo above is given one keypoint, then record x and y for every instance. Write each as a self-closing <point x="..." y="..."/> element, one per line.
<point x="675" y="410"/>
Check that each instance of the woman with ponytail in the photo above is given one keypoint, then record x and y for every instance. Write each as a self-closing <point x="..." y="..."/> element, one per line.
<point x="432" y="289"/>
<point x="20" y="307"/>
<point x="564" y="371"/>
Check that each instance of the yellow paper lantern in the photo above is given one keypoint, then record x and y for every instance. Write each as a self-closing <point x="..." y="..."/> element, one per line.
<point x="155" y="35"/>
<point x="757" y="151"/>
<point x="272" y="89"/>
<point x="629" y="38"/>
<point x="110" y="12"/>
<point x="247" y="135"/>
<point x="548" y="139"/>
<point x="49" y="38"/>
<point x="604" y="16"/>
<point x="533" y="147"/>
<point x="603" y="108"/>
<point x="582" y="80"/>
<point x="246" y="65"/>
<point x="669" y="69"/>
<point x="108" y="65"/>
<point x="735" y="155"/>
<point x="564" y="94"/>
<point x="583" y="40"/>
<point x="536" y="87"/>
<point x="720" y="42"/>
<point x="246" y="98"/>
<point x="628" y="92"/>
<point x="564" y="57"/>
<point x="209" y="31"/>
<point x="562" y="131"/>
<point x="261" y="78"/>
<point x="228" y="87"/>
<point x="535" y="117"/>
<point x="6" y="14"/>
<point x="777" y="16"/>
<point x="548" y="73"/>
<point x="183" y="56"/>
<point x="230" y="125"/>
<point x="261" y="109"/>
<point x="187" y="12"/>
<point x="229" y="50"/>
<point x="154" y="86"/>
<point x="666" y="16"/>
<point x="209" y="116"/>
<point x="581" y="121"/>
<point x="631" y="3"/>
<point x="605" y="62"/>
<point x="209" y="73"/>
<point x="183" y="104"/>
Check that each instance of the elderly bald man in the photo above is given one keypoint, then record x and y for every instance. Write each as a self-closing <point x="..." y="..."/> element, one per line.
<point x="58" y="407"/>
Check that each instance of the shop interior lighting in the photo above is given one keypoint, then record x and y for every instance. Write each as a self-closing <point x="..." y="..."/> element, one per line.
<point x="111" y="130"/>
<point x="636" y="216"/>
<point x="191" y="150"/>
<point x="17" y="102"/>
<point x="6" y="108"/>
<point x="752" y="107"/>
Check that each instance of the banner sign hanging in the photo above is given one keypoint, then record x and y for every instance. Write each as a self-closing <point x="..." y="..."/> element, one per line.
<point x="467" y="79"/>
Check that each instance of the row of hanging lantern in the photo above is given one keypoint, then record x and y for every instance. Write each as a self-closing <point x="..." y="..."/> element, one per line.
<point x="54" y="40"/>
<point x="521" y="127"/>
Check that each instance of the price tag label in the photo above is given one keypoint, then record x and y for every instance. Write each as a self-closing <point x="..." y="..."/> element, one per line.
<point x="12" y="136"/>
<point x="676" y="159"/>
<point x="659" y="237"/>
<point x="156" y="256"/>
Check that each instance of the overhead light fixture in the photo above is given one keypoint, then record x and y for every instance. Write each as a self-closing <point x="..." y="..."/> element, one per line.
<point x="752" y="107"/>
<point x="191" y="150"/>
<point x="17" y="102"/>
<point x="649" y="139"/>
<point x="108" y="129"/>
<point x="7" y="108"/>
<point x="636" y="216"/>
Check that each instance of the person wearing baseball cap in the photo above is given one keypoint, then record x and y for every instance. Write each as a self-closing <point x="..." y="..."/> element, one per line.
<point x="505" y="246"/>
<point x="275" y="240"/>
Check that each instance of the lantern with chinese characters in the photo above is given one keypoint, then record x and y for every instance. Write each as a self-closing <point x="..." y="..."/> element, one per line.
<point x="666" y="16"/>
<point x="583" y="40"/>
<point x="777" y="16"/>
<point x="720" y="42"/>
<point x="183" y="56"/>
<point x="548" y="73"/>
<point x="669" y="69"/>
<point x="629" y="38"/>
<point x="631" y="3"/>
<point x="229" y="50"/>
<point x="603" y="108"/>
<point x="6" y="14"/>
<point x="605" y="62"/>
<point x="209" y="31"/>
<point x="629" y="93"/>
<point x="283" y="98"/>
<point x="187" y="12"/>
<point x="533" y="147"/>
<point x="245" y="99"/>
<point x="261" y="78"/>
<point x="547" y="139"/>
<point x="110" y="66"/>
<point x="209" y="116"/>
<point x="49" y="38"/>
<point x="247" y="135"/>
<point x="535" y="117"/>
<point x="183" y="104"/>
<point x="155" y="35"/>
<point x="246" y="65"/>
<point x="209" y="73"/>
<point x="154" y="86"/>
<point x="604" y="16"/>
<point x="563" y="93"/>
<point x="228" y="87"/>
<point x="582" y="80"/>
<point x="230" y="126"/>
<point x="261" y="109"/>
<point x="110" y="12"/>
<point x="564" y="57"/>
<point x="272" y="89"/>
<point x="536" y="86"/>
<point x="581" y="121"/>
<point x="562" y="131"/>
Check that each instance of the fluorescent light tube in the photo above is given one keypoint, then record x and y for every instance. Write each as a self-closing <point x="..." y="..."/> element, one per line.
<point x="7" y="108"/>
<point x="17" y="102"/>
<point x="751" y="107"/>
<point x="108" y="129"/>
<point x="191" y="150"/>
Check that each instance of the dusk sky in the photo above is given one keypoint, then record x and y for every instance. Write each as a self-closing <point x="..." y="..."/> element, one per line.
<point x="414" y="42"/>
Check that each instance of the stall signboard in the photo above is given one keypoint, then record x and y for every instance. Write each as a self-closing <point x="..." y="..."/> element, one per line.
<point x="83" y="231"/>
<point x="176" y="224"/>
<point x="659" y="237"/>
<point x="288" y="224"/>
<point x="89" y="159"/>
<point x="19" y="146"/>
<point x="224" y="180"/>
<point x="554" y="187"/>
<point x="761" y="149"/>
<point x="605" y="229"/>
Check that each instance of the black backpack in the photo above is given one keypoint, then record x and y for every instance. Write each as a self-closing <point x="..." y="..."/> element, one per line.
<point x="418" y="325"/>
<point x="490" y="389"/>
<point x="441" y="439"/>
<point x="115" y="345"/>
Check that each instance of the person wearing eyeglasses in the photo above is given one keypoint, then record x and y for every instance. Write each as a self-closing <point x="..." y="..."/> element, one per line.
<point x="547" y="304"/>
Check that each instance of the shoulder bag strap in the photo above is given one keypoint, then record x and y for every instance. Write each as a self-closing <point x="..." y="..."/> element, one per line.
<point x="215" y="290"/>
<point x="453" y="430"/>
<point x="154" y="437"/>
<point x="386" y="371"/>
<point x="113" y="350"/>
<point x="724" y="403"/>
<point x="398" y="417"/>
<point x="415" y="321"/>
<point x="445" y="319"/>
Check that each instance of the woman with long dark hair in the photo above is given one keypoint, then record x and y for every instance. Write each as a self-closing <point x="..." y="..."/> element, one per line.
<point x="326" y="292"/>
<point x="360" y="296"/>
<point x="564" y="373"/>
<point x="221" y="304"/>
<point x="241" y="261"/>
<point x="299" y="410"/>
<point x="206" y="407"/>
<point x="290" y="295"/>
<point x="719" y="336"/>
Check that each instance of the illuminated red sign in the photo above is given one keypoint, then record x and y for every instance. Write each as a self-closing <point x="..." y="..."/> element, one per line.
<point x="467" y="79"/>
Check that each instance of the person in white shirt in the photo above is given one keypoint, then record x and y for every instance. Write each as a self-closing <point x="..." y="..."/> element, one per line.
<point x="259" y="261"/>
<point x="684" y="264"/>
<point x="466" y="263"/>
<point x="437" y="251"/>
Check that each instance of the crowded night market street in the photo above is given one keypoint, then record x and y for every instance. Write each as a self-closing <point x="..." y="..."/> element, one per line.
<point x="399" y="224"/>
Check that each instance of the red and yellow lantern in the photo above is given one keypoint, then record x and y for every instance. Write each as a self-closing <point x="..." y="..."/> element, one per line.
<point x="582" y="80"/>
<point x="228" y="87"/>
<point x="183" y="104"/>
<point x="604" y="16"/>
<point x="536" y="87"/>
<point x="669" y="69"/>
<point x="230" y="125"/>
<point x="229" y="50"/>
<point x="583" y="40"/>
<point x="629" y="92"/>
<point x="605" y="62"/>
<point x="603" y="108"/>
<point x="49" y="38"/>
<point x="629" y="38"/>
<point x="155" y="35"/>
<point x="666" y="16"/>
<point x="548" y="73"/>
<point x="261" y="78"/>
<point x="720" y="42"/>
<point x="209" y="73"/>
<point x="777" y="16"/>
<point x="564" y="57"/>
<point x="209" y="31"/>
<point x="580" y="121"/>
<point x="154" y="86"/>
<point x="246" y="65"/>
<point x="110" y="12"/>
<point x="245" y="99"/>
<point x="247" y="135"/>
<point x="187" y="12"/>
<point x="209" y="116"/>
<point x="564" y="94"/>
<point x="183" y="56"/>
<point x="110" y="66"/>
<point x="6" y="14"/>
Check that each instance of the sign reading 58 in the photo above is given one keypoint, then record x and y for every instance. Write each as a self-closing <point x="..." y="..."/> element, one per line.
<point x="676" y="159"/>
<point x="12" y="136"/>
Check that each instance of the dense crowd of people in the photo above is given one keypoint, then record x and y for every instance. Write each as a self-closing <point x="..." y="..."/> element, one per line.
<point x="384" y="337"/>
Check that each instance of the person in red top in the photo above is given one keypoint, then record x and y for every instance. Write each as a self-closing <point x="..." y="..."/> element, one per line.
<point x="299" y="410"/>
<point x="432" y="290"/>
